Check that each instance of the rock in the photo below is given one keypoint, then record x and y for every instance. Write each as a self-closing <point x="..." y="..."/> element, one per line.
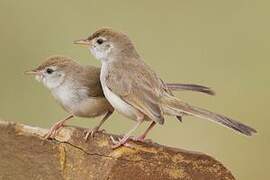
<point x="25" y="155"/>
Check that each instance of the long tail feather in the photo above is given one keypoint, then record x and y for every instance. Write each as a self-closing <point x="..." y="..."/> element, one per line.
<point x="190" y="87"/>
<point x="174" y="106"/>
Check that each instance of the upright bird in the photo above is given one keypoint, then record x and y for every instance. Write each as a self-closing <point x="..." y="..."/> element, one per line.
<point x="78" y="90"/>
<point x="136" y="91"/>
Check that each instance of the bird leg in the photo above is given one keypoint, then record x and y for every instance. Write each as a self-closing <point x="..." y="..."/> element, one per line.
<point x="52" y="132"/>
<point x="91" y="132"/>
<point x="142" y="137"/>
<point x="123" y="141"/>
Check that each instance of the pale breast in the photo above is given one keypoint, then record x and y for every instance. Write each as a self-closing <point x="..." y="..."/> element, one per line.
<point x="69" y="96"/>
<point x="119" y="104"/>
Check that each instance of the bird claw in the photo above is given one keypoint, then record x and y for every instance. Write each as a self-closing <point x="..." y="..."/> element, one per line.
<point x="119" y="142"/>
<point x="52" y="132"/>
<point x="138" y="139"/>
<point x="49" y="135"/>
<point x="141" y="139"/>
<point x="92" y="132"/>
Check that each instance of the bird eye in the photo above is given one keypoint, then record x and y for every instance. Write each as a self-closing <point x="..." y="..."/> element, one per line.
<point x="49" y="71"/>
<point x="100" y="41"/>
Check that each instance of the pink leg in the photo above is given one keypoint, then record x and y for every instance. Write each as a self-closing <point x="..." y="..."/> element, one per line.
<point x="96" y="129"/>
<point x="56" y="127"/>
<point x="120" y="142"/>
<point x="142" y="137"/>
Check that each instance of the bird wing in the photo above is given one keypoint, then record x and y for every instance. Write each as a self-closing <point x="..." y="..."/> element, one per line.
<point x="92" y="84"/>
<point x="137" y="85"/>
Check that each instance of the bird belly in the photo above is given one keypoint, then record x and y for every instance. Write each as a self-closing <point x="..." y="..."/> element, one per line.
<point x="93" y="107"/>
<point x="69" y="97"/>
<point x="120" y="105"/>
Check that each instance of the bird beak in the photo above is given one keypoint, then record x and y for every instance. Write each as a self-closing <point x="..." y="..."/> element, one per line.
<point x="84" y="42"/>
<point x="32" y="72"/>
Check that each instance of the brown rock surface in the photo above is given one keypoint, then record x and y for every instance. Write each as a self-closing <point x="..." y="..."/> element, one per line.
<point x="25" y="155"/>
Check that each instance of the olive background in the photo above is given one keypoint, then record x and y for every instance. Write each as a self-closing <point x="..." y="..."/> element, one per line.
<point x="221" y="44"/>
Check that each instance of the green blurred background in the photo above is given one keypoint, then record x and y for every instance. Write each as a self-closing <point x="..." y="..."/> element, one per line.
<point x="221" y="44"/>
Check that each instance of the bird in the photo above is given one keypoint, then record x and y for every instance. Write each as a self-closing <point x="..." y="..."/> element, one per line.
<point x="78" y="90"/>
<point x="136" y="91"/>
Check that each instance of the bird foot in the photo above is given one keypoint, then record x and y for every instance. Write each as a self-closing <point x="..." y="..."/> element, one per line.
<point x="53" y="130"/>
<point x="141" y="139"/>
<point x="120" y="142"/>
<point x="92" y="132"/>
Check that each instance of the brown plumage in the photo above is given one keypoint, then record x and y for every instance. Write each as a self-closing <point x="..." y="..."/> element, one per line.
<point x="135" y="90"/>
<point x="76" y="88"/>
<point x="77" y="72"/>
<point x="79" y="93"/>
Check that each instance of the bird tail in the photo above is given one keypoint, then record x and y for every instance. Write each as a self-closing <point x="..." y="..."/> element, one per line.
<point x="190" y="87"/>
<point x="173" y="106"/>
